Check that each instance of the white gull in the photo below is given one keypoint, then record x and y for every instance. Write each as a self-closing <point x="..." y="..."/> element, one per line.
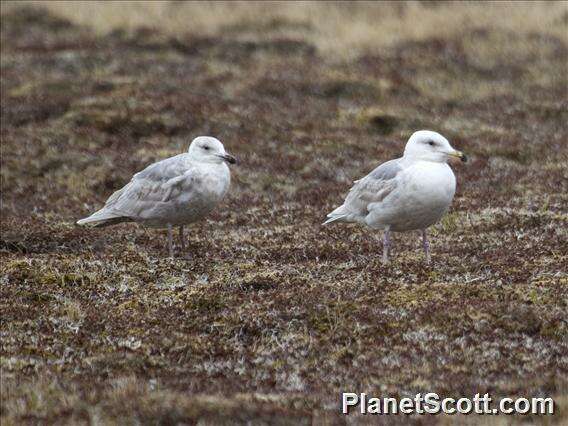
<point x="176" y="191"/>
<point x="408" y="193"/>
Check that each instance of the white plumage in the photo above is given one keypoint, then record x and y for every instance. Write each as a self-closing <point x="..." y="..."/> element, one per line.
<point x="176" y="191"/>
<point x="408" y="193"/>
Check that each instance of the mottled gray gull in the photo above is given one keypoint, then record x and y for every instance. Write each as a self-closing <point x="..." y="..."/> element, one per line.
<point x="176" y="191"/>
<point x="404" y="194"/>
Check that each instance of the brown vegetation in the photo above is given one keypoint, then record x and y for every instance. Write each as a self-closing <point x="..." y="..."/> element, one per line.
<point x="273" y="315"/>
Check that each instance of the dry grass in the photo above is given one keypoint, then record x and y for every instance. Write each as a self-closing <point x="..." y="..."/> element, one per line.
<point x="336" y="28"/>
<point x="274" y="315"/>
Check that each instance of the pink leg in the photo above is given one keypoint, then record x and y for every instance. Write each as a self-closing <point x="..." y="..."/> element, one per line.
<point x="426" y="245"/>
<point x="181" y="238"/>
<point x="170" y="242"/>
<point x="386" y="245"/>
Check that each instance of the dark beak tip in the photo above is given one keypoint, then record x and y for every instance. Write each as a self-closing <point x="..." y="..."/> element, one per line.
<point x="231" y="159"/>
<point x="464" y="158"/>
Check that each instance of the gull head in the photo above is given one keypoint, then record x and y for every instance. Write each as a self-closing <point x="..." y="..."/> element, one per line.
<point x="207" y="149"/>
<point x="431" y="146"/>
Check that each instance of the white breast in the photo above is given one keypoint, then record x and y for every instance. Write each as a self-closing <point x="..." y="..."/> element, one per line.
<point x="423" y="195"/>
<point x="193" y="197"/>
<point x="432" y="183"/>
<point x="431" y="188"/>
<point x="202" y="195"/>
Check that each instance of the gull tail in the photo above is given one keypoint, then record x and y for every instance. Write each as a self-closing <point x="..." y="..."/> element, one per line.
<point x="103" y="218"/>
<point x="338" y="214"/>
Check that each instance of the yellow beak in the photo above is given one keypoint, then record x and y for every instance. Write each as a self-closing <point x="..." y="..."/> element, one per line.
<point x="458" y="154"/>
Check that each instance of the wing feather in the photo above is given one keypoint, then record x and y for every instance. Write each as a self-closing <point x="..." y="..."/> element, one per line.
<point x="151" y="188"/>
<point x="369" y="191"/>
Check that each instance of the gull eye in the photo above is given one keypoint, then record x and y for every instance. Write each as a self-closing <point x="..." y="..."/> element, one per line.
<point x="431" y="143"/>
<point x="205" y="147"/>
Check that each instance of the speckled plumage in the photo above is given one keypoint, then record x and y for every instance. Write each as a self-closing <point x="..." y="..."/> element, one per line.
<point x="176" y="191"/>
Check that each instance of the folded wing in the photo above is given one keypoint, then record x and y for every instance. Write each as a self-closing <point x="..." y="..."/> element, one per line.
<point x="146" y="195"/>
<point x="371" y="189"/>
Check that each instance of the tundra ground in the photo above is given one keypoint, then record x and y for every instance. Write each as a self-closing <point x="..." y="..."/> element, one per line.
<point x="268" y="316"/>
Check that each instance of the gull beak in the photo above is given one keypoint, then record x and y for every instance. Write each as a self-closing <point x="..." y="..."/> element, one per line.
<point x="458" y="154"/>
<point x="228" y="158"/>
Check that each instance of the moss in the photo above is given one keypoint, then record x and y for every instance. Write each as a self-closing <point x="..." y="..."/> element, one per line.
<point x="327" y="319"/>
<point x="451" y="222"/>
<point x="410" y="296"/>
<point x="204" y="304"/>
